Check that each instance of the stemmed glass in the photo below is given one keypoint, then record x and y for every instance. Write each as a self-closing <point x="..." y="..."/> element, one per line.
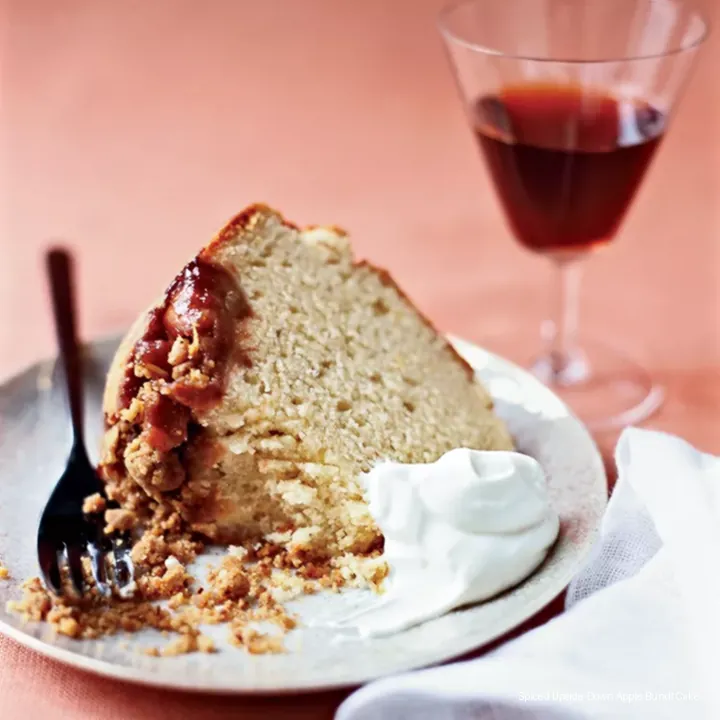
<point x="569" y="101"/>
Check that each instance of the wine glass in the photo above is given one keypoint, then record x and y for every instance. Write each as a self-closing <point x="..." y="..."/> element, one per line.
<point x="569" y="101"/>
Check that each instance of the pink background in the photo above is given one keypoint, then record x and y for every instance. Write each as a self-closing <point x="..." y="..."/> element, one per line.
<point x="132" y="130"/>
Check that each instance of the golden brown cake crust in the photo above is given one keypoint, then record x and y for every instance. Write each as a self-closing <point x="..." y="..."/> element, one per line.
<point x="244" y="220"/>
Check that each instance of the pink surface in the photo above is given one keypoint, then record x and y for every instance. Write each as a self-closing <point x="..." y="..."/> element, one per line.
<point x="133" y="130"/>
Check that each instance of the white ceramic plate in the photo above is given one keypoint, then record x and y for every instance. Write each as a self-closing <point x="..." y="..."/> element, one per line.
<point x="33" y="444"/>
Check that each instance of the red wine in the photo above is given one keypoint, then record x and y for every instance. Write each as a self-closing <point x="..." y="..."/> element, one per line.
<point x="566" y="162"/>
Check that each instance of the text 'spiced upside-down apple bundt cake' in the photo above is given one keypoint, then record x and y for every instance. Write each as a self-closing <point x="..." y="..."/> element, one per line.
<point x="273" y="373"/>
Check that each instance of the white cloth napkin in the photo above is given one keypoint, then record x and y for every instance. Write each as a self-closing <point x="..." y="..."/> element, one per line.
<point x="641" y="635"/>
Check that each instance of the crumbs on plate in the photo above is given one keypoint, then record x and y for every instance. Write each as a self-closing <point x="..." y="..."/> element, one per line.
<point x="247" y="587"/>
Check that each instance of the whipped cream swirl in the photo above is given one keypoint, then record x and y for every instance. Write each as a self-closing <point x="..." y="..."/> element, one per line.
<point x="457" y="531"/>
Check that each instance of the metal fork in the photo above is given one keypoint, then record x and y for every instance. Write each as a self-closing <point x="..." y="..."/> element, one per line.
<point x="65" y="532"/>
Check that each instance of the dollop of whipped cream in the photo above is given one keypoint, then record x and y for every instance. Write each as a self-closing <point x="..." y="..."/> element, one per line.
<point x="457" y="531"/>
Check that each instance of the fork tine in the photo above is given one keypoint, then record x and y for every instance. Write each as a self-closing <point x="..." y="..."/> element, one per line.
<point x="99" y="568"/>
<point x="74" y="554"/>
<point x="124" y="571"/>
<point x="49" y="566"/>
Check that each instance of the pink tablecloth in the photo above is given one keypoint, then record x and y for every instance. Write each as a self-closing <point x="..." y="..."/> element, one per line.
<point x="133" y="130"/>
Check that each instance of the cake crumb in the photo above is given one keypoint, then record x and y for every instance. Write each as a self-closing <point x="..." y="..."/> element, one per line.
<point x="119" y="520"/>
<point x="178" y="600"/>
<point x="161" y="541"/>
<point x="174" y="580"/>
<point x="255" y="642"/>
<point x="238" y="551"/>
<point x="95" y="503"/>
<point x="182" y="645"/>
<point x="4" y="572"/>
<point x="205" y="644"/>
<point x="69" y="626"/>
<point x="229" y="581"/>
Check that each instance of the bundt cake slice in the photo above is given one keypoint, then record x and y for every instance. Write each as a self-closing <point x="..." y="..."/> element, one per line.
<point x="273" y="373"/>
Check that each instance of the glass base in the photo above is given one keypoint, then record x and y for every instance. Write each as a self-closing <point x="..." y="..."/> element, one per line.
<point x="605" y="388"/>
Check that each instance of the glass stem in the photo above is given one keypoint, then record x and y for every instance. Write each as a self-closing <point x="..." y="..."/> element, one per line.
<point x="563" y="350"/>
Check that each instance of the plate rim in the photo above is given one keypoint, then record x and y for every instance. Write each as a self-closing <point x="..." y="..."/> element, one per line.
<point x="512" y="620"/>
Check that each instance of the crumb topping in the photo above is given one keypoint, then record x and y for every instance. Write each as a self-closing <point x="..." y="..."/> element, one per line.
<point x="175" y="369"/>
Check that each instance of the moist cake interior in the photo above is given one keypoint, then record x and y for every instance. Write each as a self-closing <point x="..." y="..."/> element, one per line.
<point x="275" y="371"/>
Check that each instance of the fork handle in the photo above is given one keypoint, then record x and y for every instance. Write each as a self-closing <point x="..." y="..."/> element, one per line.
<point x="60" y="275"/>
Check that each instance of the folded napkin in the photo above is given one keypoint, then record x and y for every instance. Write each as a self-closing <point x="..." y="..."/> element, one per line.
<point x="641" y="635"/>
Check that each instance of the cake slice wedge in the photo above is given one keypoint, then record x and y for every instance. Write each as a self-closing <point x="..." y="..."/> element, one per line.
<point x="275" y="371"/>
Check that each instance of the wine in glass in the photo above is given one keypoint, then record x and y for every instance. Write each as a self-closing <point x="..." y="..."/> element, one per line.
<point x="569" y="101"/>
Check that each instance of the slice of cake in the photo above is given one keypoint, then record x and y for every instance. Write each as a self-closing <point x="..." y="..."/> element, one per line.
<point x="272" y="374"/>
